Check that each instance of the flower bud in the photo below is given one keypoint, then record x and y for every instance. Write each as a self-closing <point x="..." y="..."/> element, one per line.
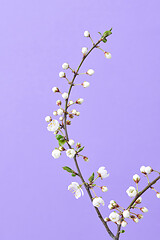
<point x="104" y="189"/>
<point x="110" y="206"/>
<point x="107" y="219"/>
<point x="90" y="72"/>
<point x="78" y="145"/>
<point x="48" y="119"/>
<point x="140" y="216"/>
<point x="126" y="214"/>
<point x="77" y="113"/>
<point x="80" y="101"/>
<point x="148" y="170"/>
<point x="124" y="223"/>
<point x="61" y="148"/>
<point x="158" y="195"/>
<point x="142" y="169"/>
<point x="68" y="122"/>
<point x="108" y="55"/>
<point x="85" y="159"/>
<point x="61" y="118"/>
<point x="71" y="116"/>
<point x="74" y="111"/>
<point x="84" y="50"/>
<point x="56" y="153"/>
<point x="71" y="102"/>
<point x="55" y="89"/>
<point x="136" y="178"/>
<point x="65" y="66"/>
<point x="136" y="220"/>
<point x="139" y="200"/>
<point x="114" y="204"/>
<point x="55" y="113"/>
<point x="85" y="84"/>
<point x="58" y="102"/>
<point x="65" y="95"/>
<point x="144" y="209"/>
<point x="59" y="111"/>
<point x="86" y="34"/>
<point x="71" y="142"/>
<point x="62" y="74"/>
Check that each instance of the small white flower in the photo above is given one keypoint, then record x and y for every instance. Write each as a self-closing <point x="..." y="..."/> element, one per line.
<point x="62" y="74"/>
<point x="139" y="200"/>
<point x="124" y="223"/>
<point x="136" y="220"/>
<point x="108" y="55"/>
<point x="58" y="102"/>
<point x="97" y="202"/>
<point x="53" y="126"/>
<point x="131" y="191"/>
<point x="90" y="72"/>
<point x="48" y="119"/>
<point x="76" y="189"/>
<point x="65" y="66"/>
<point x="56" y="153"/>
<point x="136" y="178"/>
<point x="70" y="153"/>
<point x="80" y="101"/>
<point x="144" y="209"/>
<point x="55" y="113"/>
<point x="74" y="111"/>
<point x="142" y="169"/>
<point x="86" y="34"/>
<point x="55" y="89"/>
<point x="102" y="172"/>
<point x="84" y="50"/>
<point x="71" y="102"/>
<point x="126" y="214"/>
<point x="148" y="170"/>
<point x="114" y="217"/>
<point x="65" y="95"/>
<point x="104" y="189"/>
<point x="158" y="195"/>
<point x="59" y="111"/>
<point x="71" y="142"/>
<point x="85" y="84"/>
<point x="77" y="113"/>
<point x="61" y="118"/>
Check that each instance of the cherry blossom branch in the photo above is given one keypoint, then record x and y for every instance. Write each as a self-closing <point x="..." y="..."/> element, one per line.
<point x="67" y="138"/>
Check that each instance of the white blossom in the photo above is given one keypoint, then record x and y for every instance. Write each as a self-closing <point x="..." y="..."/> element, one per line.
<point x="61" y="118"/>
<point x="131" y="191"/>
<point x="158" y="195"/>
<point x="136" y="178"/>
<point x="55" y="89"/>
<point x="70" y="153"/>
<point x="53" y="125"/>
<point x="97" y="202"/>
<point x="77" y="113"/>
<point x="84" y="50"/>
<point x="144" y="209"/>
<point x="114" y="217"/>
<point x="80" y="101"/>
<point x="76" y="189"/>
<point x="86" y="34"/>
<point x="62" y="74"/>
<point x="48" y="119"/>
<point x="71" y="142"/>
<point x="56" y="153"/>
<point x="102" y="172"/>
<point x="148" y="170"/>
<point x="74" y="111"/>
<point x="55" y="113"/>
<point x="108" y="55"/>
<point x="124" y="223"/>
<point x="90" y="72"/>
<point x="65" y="95"/>
<point x="142" y="169"/>
<point x="65" y="66"/>
<point x="85" y="84"/>
<point x="126" y="214"/>
<point x="104" y="189"/>
<point x="71" y="102"/>
<point x="60" y="111"/>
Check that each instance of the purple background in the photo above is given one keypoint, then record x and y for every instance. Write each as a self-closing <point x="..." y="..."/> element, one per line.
<point x="119" y="122"/>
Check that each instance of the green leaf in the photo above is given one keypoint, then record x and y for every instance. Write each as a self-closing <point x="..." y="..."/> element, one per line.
<point x="81" y="149"/>
<point x="73" y="175"/>
<point x="122" y="231"/>
<point x="91" y="178"/>
<point x="68" y="169"/>
<point x="59" y="137"/>
<point x="104" y="40"/>
<point x="100" y="33"/>
<point x="107" y="33"/>
<point x="62" y="142"/>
